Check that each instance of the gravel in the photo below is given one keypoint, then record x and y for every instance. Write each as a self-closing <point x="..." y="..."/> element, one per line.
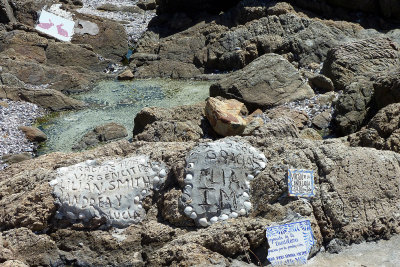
<point x="135" y="23"/>
<point x="12" y="115"/>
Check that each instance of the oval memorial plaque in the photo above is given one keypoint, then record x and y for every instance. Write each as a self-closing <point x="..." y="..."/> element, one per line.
<point x="113" y="190"/>
<point x="217" y="181"/>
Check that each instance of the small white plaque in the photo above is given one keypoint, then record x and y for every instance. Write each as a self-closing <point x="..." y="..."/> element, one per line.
<point x="301" y="183"/>
<point x="289" y="244"/>
<point x="56" y="26"/>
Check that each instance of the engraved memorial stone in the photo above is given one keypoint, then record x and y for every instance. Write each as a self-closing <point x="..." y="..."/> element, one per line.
<point x="113" y="190"/>
<point x="289" y="244"/>
<point x="301" y="183"/>
<point x="217" y="181"/>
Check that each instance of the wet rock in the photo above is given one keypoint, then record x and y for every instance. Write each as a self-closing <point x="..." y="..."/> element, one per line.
<point x="103" y="133"/>
<point x="126" y="75"/>
<point x="15" y="158"/>
<point x="224" y="116"/>
<point x="33" y="134"/>
<point x="268" y="81"/>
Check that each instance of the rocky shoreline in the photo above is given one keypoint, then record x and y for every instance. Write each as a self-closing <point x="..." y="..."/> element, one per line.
<point x="297" y="87"/>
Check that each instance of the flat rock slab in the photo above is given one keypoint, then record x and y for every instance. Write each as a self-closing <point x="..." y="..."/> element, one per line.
<point x="217" y="182"/>
<point x="113" y="190"/>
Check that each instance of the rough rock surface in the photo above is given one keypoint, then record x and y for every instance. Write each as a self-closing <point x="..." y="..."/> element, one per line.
<point x="268" y="81"/>
<point x="33" y="133"/>
<point x="351" y="67"/>
<point x="341" y="208"/>
<point x="224" y="116"/>
<point x="382" y="132"/>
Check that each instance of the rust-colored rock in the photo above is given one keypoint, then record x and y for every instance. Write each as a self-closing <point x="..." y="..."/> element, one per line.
<point x="224" y="116"/>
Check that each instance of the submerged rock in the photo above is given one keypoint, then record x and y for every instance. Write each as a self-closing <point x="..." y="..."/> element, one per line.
<point x="103" y="133"/>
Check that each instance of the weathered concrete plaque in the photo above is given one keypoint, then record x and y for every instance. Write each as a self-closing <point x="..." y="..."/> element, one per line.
<point x="56" y="26"/>
<point x="301" y="183"/>
<point x="217" y="181"/>
<point x="113" y="189"/>
<point x="290" y="244"/>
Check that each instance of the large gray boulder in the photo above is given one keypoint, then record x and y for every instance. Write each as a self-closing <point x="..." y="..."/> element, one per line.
<point x="268" y="81"/>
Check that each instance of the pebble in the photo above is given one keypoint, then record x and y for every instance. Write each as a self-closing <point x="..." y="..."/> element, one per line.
<point x="13" y="115"/>
<point x="136" y="24"/>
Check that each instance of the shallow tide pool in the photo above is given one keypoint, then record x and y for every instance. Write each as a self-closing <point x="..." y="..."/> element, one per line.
<point x="115" y="101"/>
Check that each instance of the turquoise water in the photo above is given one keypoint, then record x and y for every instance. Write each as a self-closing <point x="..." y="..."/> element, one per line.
<point x="115" y="101"/>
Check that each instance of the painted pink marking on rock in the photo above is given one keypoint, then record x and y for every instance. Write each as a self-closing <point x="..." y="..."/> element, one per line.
<point x="46" y="26"/>
<point x="61" y="31"/>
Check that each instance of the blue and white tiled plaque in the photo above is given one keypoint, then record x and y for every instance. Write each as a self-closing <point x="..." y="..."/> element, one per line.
<point x="301" y="183"/>
<point x="289" y="244"/>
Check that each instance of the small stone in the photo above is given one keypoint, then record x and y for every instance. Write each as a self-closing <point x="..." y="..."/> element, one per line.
<point x="250" y="177"/>
<point x="156" y="179"/>
<point x="203" y="222"/>
<point x="144" y="192"/>
<point x="189" y="177"/>
<point x="163" y="173"/>
<point x="242" y="212"/>
<point x="81" y="216"/>
<point x="224" y="217"/>
<point x="190" y="165"/>
<point x="214" y="219"/>
<point x="193" y="215"/>
<point x="234" y="215"/>
<point x="53" y="182"/>
<point x="247" y="205"/>
<point x="126" y="75"/>
<point x="136" y="200"/>
<point x="245" y="195"/>
<point x="262" y="164"/>
<point x="188" y="210"/>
